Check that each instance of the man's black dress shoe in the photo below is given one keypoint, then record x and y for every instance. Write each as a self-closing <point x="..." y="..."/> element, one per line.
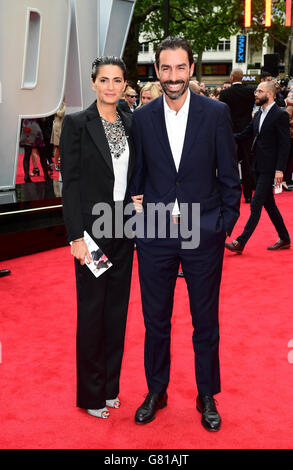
<point x="4" y="272"/>
<point x="211" y="420"/>
<point x="235" y="247"/>
<point x="147" y="411"/>
<point x="279" y="245"/>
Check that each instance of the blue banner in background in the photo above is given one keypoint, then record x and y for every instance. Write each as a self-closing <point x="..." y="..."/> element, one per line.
<point x="241" y="49"/>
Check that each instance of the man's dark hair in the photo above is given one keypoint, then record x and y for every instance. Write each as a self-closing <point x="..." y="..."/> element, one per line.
<point x="265" y="74"/>
<point x="174" y="42"/>
<point x="107" y="60"/>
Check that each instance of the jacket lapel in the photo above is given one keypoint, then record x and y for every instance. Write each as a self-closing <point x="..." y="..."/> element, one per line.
<point x="159" y="127"/>
<point x="127" y="121"/>
<point x="269" y="117"/>
<point x="256" y="122"/>
<point x="194" y="123"/>
<point x="97" y="133"/>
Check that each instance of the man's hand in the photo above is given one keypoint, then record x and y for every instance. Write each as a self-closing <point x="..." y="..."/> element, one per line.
<point x="278" y="178"/>
<point x="80" y="251"/>
<point x="137" y="201"/>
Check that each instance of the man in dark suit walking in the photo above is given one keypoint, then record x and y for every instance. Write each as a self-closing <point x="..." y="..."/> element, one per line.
<point x="185" y="157"/>
<point x="240" y="99"/>
<point x="271" y="145"/>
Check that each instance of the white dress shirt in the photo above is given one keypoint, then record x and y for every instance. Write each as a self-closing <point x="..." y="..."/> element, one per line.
<point x="264" y="115"/>
<point x="120" y="167"/>
<point x="176" y="126"/>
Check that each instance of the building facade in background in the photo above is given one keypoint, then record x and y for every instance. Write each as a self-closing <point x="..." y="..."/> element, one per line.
<point x="236" y="51"/>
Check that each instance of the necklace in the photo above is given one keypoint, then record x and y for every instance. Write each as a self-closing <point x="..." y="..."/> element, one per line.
<point x="116" y="136"/>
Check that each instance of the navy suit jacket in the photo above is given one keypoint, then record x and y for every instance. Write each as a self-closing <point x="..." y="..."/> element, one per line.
<point x="271" y="146"/>
<point x="208" y="172"/>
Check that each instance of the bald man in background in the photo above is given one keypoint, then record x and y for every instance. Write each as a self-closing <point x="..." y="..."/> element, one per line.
<point x="240" y="99"/>
<point x="194" y="86"/>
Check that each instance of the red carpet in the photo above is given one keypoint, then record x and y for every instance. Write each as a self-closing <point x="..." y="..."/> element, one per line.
<point x="35" y="179"/>
<point x="37" y="371"/>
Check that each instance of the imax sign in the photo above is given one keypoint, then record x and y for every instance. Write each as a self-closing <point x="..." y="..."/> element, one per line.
<point x="241" y="49"/>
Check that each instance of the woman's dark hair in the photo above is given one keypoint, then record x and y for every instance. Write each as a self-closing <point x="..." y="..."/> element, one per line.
<point x="174" y="42"/>
<point x="107" y="60"/>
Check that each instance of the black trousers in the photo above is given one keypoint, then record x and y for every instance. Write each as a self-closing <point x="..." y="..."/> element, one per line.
<point x="263" y="197"/>
<point x="102" y="305"/>
<point x="26" y="160"/>
<point x="245" y="159"/>
<point x="159" y="261"/>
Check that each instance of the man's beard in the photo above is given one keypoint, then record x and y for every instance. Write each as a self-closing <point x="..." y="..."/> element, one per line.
<point x="261" y="101"/>
<point x="174" y="95"/>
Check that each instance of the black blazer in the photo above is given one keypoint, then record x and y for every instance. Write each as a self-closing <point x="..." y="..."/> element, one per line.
<point x="240" y="99"/>
<point x="271" y="146"/>
<point x="123" y="106"/>
<point x="86" y="166"/>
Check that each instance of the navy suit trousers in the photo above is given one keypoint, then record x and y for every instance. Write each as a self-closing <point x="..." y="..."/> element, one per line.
<point x="159" y="261"/>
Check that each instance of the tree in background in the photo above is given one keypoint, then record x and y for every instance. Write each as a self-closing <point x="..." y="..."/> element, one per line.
<point x="203" y="23"/>
<point x="143" y="12"/>
<point x="277" y="34"/>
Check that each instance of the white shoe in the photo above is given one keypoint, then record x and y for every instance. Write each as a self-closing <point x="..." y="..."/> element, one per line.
<point x="102" y="413"/>
<point x="115" y="403"/>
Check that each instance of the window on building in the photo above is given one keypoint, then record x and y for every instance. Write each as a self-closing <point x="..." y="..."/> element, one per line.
<point x="210" y="49"/>
<point x="224" y="45"/>
<point x="215" y="69"/>
<point x="144" y="48"/>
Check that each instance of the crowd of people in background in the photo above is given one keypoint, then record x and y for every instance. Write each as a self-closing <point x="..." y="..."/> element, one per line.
<point x="136" y="96"/>
<point x="39" y="139"/>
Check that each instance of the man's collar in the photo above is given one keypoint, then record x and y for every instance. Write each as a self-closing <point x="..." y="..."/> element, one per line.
<point x="183" y="109"/>
<point x="266" y="110"/>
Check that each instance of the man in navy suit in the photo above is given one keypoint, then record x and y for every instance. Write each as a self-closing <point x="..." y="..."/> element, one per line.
<point x="185" y="158"/>
<point x="271" y="146"/>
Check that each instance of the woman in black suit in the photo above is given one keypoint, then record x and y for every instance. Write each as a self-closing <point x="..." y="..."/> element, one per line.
<point x="97" y="159"/>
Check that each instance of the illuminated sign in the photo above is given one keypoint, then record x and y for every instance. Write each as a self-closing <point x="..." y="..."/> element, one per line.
<point x="241" y="49"/>
<point x="268" y="13"/>
<point x="247" y="14"/>
<point x="255" y="78"/>
<point x="288" y="14"/>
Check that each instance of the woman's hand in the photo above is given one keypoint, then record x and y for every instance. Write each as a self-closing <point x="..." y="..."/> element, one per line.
<point x="278" y="178"/>
<point x="80" y="251"/>
<point x="137" y="201"/>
